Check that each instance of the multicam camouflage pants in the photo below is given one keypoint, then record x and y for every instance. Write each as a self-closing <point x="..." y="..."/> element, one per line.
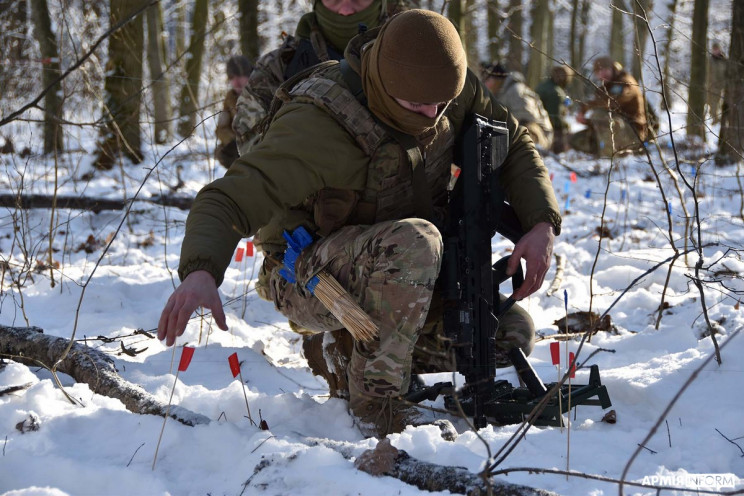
<point x="391" y="269"/>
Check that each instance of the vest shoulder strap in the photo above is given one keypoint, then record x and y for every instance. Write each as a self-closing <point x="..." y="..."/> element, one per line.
<point x="344" y="107"/>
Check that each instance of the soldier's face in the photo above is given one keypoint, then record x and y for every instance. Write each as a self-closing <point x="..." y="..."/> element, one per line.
<point x="238" y="83"/>
<point x="605" y="73"/>
<point x="346" y="7"/>
<point x="430" y="110"/>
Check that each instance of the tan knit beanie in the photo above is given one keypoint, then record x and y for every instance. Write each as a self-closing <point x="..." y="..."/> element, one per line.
<point x="421" y="58"/>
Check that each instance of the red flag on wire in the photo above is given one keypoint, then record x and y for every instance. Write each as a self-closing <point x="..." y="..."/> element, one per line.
<point x="239" y="254"/>
<point x="234" y="364"/>
<point x="572" y="364"/>
<point x="249" y="249"/>
<point x="186" y="354"/>
<point x="555" y="352"/>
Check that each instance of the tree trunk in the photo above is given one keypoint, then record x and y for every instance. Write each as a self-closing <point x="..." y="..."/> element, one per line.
<point x="120" y="135"/>
<point x="471" y="33"/>
<point x="514" y="28"/>
<point x="641" y="10"/>
<point x="698" y="62"/>
<point x="539" y="32"/>
<point x="50" y="72"/>
<point x="190" y="91"/>
<point x="576" y="39"/>
<point x="494" y="30"/>
<point x="454" y="14"/>
<point x="95" y="205"/>
<point x="13" y="19"/>
<point x="551" y="39"/>
<point x="573" y="41"/>
<point x="179" y="13"/>
<point x="89" y="366"/>
<point x="731" y="141"/>
<point x="385" y="459"/>
<point x="578" y="84"/>
<point x="666" y="101"/>
<point x="617" y="38"/>
<point x="160" y="85"/>
<point x="249" y="41"/>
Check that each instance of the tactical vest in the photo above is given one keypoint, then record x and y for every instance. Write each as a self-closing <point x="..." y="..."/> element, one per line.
<point x="389" y="190"/>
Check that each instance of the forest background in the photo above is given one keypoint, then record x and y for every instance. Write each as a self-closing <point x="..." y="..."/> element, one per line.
<point x="103" y="103"/>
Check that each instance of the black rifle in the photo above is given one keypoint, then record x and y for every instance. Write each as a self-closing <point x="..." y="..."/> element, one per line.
<point x="469" y="283"/>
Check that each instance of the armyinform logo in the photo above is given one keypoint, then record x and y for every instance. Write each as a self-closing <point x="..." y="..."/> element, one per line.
<point x="697" y="481"/>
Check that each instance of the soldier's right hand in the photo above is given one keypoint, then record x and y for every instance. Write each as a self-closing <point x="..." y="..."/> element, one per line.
<point x="198" y="289"/>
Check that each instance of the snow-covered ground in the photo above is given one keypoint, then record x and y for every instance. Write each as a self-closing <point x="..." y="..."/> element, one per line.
<point x="101" y="448"/>
<point x="99" y="294"/>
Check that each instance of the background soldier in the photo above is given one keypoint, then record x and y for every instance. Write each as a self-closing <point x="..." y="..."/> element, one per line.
<point x="357" y="173"/>
<point x="239" y="68"/>
<point x="618" y="114"/>
<point x="511" y="90"/>
<point x="552" y="92"/>
<point x="717" y="63"/>
<point x="321" y="35"/>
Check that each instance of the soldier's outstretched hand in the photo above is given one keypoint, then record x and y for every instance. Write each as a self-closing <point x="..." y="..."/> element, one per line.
<point x="536" y="248"/>
<point x="198" y="289"/>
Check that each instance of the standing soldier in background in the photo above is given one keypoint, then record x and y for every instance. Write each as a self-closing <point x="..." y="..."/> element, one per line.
<point x="552" y="92"/>
<point x="361" y="155"/>
<point x="239" y="68"/>
<point x="321" y="35"/>
<point x="512" y="92"/>
<point x="618" y="113"/>
<point x="717" y="63"/>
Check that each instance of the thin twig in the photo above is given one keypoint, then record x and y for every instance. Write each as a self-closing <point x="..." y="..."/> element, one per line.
<point x="135" y="452"/>
<point x="649" y="449"/>
<point x="669" y="433"/>
<point x="731" y="441"/>
<point x="262" y="443"/>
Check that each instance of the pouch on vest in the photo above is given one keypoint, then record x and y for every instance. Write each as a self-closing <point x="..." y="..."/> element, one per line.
<point x="332" y="208"/>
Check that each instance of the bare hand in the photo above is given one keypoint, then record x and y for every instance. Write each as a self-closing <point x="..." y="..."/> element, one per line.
<point x="581" y="118"/>
<point x="197" y="290"/>
<point x="536" y="248"/>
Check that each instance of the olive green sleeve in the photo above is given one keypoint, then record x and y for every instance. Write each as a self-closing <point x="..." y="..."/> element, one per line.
<point x="303" y="151"/>
<point x="523" y="173"/>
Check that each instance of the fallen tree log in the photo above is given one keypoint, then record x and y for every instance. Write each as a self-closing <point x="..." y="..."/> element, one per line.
<point x="386" y="459"/>
<point x="84" y="364"/>
<point x="96" y="205"/>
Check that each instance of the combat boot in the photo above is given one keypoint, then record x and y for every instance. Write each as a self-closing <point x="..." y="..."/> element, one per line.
<point x="378" y="416"/>
<point x="328" y="355"/>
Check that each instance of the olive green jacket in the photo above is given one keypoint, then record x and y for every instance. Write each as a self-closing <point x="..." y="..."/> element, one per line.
<point x="305" y="150"/>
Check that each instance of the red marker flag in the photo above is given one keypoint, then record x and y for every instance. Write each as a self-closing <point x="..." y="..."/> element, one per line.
<point x="186" y="354"/>
<point x="234" y="364"/>
<point x="249" y="248"/>
<point x="555" y="352"/>
<point x="571" y="356"/>
<point x="573" y="177"/>
<point x="239" y="254"/>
